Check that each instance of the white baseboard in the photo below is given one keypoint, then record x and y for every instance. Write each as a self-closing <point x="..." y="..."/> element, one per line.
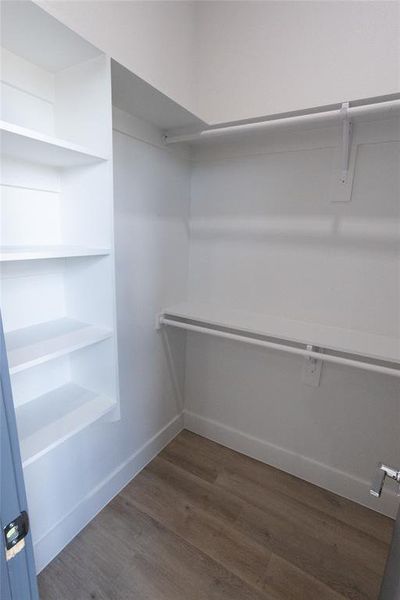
<point x="325" y="476"/>
<point x="53" y="541"/>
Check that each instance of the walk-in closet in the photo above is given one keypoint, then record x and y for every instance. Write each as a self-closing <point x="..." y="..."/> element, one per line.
<point x="200" y="298"/>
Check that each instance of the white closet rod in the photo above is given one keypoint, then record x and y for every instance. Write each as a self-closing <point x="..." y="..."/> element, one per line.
<point x="385" y="107"/>
<point x="358" y="364"/>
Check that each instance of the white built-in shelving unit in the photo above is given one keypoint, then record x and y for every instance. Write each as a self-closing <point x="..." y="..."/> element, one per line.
<point x="56" y="246"/>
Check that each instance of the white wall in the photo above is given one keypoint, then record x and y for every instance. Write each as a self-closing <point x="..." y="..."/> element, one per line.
<point x="259" y="58"/>
<point x="152" y="187"/>
<point x="154" y="39"/>
<point x="242" y="59"/>
<point x="265" y="237"/>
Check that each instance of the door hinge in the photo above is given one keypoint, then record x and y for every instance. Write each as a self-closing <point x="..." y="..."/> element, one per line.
<point x="15" y="533"/>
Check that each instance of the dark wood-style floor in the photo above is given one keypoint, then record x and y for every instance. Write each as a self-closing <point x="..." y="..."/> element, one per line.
<point x="202" y="522"/>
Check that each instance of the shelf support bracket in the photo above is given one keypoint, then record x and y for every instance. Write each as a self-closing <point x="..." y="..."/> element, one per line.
<point x="344" y="160"/>
<point x="312" y="368"/>
<point x="346" y="141"/>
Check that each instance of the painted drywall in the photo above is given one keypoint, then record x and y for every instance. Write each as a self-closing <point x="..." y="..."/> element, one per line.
<point x="266" y="237"/>
<point x="155" y="39"/>
<point x="152" y="187"/>
<point x="259" y="58"/>
<point x="226" y="61"/>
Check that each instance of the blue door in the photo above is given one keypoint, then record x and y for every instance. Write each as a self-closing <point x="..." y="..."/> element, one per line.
<point x="18" y="575"/>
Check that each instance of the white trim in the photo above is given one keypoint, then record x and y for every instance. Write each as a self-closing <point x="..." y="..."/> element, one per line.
<point x="327" y="477"/>
<point x="63" y="531"/>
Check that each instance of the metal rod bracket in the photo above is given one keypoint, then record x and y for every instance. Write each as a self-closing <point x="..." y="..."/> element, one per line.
<point x="312" y="367"/>
<point x="158" y="323"/>
<point x="346" y="141"/>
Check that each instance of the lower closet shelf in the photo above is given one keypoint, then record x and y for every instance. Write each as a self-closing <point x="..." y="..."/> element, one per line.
<point x="337" y="339"/>
<point x="49" y="420"/>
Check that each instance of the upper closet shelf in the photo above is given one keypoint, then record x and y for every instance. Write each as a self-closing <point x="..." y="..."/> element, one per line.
<point x="360" y="110"/>
<point x="47" y="421"/>
<point x="14" y="253"/>
<point x="33" y="146"/>
<point x="37" y="344"/>
<point x="336" y="339"/>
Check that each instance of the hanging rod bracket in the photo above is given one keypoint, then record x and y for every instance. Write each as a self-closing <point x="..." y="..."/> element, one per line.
<point x="159" y="323"/>
<point x="346" y="141"/>
<point x="312" y="367"/>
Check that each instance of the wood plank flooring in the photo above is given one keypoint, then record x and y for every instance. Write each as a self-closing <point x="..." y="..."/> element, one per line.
<point x="202" y="522"/>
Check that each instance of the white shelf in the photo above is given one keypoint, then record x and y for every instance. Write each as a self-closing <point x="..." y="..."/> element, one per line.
<point x="350" y="341"/>
<point x="14" y="253"/>
<point x="37" y="344"/>
<point x="137" y="97"/>
<point x="30" y="32"/>
<point x="33" y="146"/>
<point x="47" y="421"/>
